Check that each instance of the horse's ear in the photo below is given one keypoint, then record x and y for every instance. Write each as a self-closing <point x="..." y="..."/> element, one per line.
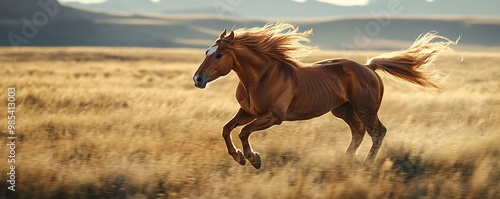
<point x="223" y="34"/>
<point x="231" y="35"/>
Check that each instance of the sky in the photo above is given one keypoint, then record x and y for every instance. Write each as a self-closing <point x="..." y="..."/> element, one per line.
<point x="338" y="2"/>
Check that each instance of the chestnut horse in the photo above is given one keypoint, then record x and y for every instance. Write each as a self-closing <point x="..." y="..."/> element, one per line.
<point x="275" y="86"/>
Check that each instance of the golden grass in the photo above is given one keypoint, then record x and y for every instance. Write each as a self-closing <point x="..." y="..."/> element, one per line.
<point x="128" y="123"/>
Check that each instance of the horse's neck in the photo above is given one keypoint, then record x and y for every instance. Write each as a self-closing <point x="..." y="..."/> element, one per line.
<point x="250" y="67"/>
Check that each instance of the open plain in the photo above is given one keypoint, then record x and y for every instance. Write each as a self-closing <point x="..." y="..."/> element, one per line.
<point x="128" y="123"/>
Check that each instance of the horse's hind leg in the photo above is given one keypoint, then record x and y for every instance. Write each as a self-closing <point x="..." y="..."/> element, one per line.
<point x="377" y="132"/>
<point x="346" y="113"/>
<point x="367" y="114"/>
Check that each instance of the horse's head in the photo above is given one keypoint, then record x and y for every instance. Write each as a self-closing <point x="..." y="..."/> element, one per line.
<point x="218" y="62"/>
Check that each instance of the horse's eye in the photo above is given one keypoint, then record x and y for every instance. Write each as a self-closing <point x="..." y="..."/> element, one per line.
<point x="218" y="56"/>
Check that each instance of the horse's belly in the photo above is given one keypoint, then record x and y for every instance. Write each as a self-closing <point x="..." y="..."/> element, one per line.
<point x="305" y="113"/>
<point x="305" y="107"/>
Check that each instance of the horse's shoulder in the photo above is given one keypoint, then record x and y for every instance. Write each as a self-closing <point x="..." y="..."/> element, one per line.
<point x="241" y="92"/>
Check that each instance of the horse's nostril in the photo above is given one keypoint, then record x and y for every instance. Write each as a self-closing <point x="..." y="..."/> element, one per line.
<point x="199" y="79"/>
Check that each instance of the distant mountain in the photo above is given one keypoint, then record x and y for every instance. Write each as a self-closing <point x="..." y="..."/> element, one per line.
<point x="286" y="9"/>
<point x="80" y="27"/>
<point x="68" y="27"/>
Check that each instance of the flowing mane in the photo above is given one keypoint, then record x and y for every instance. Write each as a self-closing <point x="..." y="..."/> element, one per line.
<point x="280" y="41"/>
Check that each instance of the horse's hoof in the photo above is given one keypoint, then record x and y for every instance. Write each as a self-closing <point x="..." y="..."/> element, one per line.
<point x="240" y="158"/>
<point x="256" y="162"/>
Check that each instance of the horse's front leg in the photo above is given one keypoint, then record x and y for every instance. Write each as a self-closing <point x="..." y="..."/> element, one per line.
<point x="262" y="122"/>
<point x="241" y="118"/>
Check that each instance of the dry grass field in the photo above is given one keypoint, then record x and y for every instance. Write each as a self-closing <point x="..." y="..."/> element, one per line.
<point x="128" y="123"/>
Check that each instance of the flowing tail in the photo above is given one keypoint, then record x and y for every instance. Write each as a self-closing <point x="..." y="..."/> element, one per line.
<point x="414" y="64"/>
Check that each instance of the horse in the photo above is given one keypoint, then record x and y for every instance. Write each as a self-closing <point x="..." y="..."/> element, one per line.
<point x="275" y="86"/>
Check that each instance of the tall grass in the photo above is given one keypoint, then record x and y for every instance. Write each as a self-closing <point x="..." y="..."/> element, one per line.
<point x="128" y="123"/>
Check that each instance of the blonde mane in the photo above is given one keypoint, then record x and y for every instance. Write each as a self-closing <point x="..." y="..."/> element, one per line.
<point x="280" y="41"/>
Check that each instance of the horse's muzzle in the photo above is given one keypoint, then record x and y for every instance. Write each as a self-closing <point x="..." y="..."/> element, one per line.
<point x="200" y="81"/>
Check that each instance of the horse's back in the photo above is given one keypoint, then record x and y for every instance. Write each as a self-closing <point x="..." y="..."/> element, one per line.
<point x="328" y="84"/>
<point x="353" y="69"/>
<point x="361" y="84"/>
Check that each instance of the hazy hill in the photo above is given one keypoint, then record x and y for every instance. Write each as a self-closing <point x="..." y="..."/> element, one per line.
<point x="77" y="27"/>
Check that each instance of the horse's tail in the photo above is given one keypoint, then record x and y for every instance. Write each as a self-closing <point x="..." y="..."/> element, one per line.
<point x="413" y="64"/>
